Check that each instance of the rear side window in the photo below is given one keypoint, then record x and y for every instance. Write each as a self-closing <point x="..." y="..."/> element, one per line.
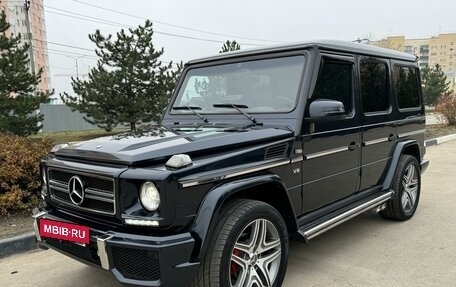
<point x="374" y="85"/>
<point x="407" y="92"/>
<point x="335" y="83"/>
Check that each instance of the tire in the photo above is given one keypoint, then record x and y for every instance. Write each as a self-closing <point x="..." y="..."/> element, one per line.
<point x="235" y="226"/>
<point x="407" y="187"/>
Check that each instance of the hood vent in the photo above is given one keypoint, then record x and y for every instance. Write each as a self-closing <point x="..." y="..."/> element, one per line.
<point x="276" y="151"/>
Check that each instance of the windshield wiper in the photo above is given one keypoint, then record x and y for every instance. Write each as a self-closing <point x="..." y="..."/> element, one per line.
<point x="193" y="109"/>
<point x="238" y="108"/>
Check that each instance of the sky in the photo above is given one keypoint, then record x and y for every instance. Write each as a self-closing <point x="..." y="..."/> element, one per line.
<point x="253" y="23"/>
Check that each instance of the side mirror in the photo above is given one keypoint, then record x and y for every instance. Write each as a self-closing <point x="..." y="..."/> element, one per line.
<point x="326" y="108"/>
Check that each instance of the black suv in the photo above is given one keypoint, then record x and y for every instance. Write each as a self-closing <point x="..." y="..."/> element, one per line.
<point x="256" y="147"/>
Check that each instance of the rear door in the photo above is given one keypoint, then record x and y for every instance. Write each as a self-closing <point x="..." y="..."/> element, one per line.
<point x="379" y="132"/>
<point x="331" y="148"/>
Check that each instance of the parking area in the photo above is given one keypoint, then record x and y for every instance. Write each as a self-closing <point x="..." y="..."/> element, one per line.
<point x="366" y="251"/>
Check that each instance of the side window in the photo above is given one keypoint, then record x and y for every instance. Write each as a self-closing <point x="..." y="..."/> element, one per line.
<point x="374" y="85"/>
<point x="407" y="92"/>
<point x="335" y="83"/>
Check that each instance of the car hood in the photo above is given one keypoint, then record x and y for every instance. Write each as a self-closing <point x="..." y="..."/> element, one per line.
<point x="160" y="144"/>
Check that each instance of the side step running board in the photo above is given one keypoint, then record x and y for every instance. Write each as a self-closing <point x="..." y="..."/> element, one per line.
<point x="315" y="230"/>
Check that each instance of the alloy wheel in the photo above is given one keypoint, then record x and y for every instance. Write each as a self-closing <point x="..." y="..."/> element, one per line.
<point x="410" y="188"/>
<point x="255" y="258"/>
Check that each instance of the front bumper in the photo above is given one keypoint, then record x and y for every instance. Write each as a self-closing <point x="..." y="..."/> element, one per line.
<point x="133" y="259"/>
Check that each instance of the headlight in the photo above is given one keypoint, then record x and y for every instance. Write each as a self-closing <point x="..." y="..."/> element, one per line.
<point x="149" y="196"/>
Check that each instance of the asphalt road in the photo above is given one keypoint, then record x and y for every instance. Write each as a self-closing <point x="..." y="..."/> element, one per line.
<point x="366" y="251"/>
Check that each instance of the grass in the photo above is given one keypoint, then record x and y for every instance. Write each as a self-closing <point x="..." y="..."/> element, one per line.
<point x="75" y="136"/>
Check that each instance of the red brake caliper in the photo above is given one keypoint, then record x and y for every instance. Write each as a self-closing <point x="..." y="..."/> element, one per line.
<point x="234" y="266"/>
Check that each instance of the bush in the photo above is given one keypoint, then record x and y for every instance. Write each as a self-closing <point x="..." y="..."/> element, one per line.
<point x="446" y="105"/>
<point x="20" y="180"/>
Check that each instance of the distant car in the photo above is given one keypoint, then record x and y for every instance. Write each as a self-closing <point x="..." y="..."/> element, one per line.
<point x="257" y="147"/>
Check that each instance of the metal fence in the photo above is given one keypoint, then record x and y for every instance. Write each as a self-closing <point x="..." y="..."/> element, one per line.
<point x="59" y="118"/>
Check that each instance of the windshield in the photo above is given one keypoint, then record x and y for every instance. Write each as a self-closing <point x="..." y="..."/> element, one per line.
<point x="260" y="86"/>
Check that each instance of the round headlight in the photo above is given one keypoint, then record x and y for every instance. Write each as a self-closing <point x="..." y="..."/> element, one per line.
<point x="149" y="196"/>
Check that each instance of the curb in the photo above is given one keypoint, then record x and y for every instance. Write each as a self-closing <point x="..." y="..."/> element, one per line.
<point x="17" y="244"/>
<point x="440" y="140"/>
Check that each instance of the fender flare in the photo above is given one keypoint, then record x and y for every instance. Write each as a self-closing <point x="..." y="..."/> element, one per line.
<point x="205" y="220"/>
<point x="398" y="151"/>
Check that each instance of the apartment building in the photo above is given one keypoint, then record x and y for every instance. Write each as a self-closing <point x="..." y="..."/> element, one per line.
<point x="440" y="49"/>
<point x="16" y="15"/>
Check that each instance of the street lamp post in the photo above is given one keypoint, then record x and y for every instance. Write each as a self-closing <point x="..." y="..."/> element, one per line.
<point x="76" y="61"/>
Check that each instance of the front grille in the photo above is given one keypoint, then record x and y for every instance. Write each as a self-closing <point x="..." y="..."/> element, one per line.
<point x="99" y="191"/>
<point x="61" y="195"/>
<point x="88" y="253"/>
<point x="136" y="264"/>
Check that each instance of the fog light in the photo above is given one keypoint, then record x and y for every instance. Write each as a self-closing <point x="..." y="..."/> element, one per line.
<point x="149" y="196"/>
<point x="141" y="222"/>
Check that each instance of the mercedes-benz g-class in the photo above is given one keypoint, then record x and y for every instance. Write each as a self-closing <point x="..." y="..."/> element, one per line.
<point x="256" y="147"/>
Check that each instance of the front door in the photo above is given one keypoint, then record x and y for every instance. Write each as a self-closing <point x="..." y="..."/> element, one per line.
<point x="332" y="147"/>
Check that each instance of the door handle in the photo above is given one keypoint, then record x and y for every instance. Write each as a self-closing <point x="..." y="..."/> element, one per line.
<point x="352" y="146"/>
<point x="392" y="137"/>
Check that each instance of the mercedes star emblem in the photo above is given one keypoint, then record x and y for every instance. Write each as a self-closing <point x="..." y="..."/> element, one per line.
<point x="76" y="190"/>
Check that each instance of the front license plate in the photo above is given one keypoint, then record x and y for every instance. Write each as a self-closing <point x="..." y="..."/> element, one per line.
<point x="66" y="231"/>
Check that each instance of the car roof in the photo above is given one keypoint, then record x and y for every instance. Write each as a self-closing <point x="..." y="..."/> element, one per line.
<point x="333" y="45"/>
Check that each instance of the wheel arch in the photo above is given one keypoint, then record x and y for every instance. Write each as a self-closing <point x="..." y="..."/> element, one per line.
<point x="248" y="188"/>
<point x="278" y="199"/>
<point x="413" y="150"/>
<point x="410" y="147"/>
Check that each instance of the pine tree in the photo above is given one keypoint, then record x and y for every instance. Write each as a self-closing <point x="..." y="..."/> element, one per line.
<point x="229" y="46"/>
<point x="129" y="84"/>
<point x="19" y="97"/>
<point x="213" y="85"/>
<point x="434" y="84"/>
